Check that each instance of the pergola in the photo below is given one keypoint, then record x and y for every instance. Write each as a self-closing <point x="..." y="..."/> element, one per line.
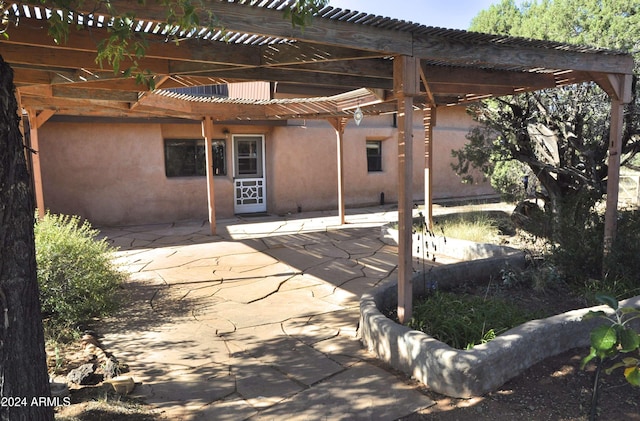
<point x="343" y="60"/>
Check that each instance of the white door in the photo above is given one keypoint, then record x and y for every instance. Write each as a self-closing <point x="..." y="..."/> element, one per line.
<point x="248" y="174"/>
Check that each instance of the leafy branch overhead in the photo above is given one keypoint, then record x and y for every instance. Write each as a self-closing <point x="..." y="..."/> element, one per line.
<point x="128" y="40"/>
<point x="557" y="138"/>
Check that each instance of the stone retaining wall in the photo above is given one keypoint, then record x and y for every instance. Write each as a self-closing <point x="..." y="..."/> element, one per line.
<point x="462" y="373"/>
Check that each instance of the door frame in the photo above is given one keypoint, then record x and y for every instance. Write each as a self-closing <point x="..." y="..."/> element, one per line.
<point x="255" y="186"/>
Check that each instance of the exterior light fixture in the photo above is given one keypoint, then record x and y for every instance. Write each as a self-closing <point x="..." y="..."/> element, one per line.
<point x="358" y="116"/>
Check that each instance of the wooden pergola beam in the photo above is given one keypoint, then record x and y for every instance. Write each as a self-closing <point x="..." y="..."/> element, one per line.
<point x="291" y="75"/>
<point x="36" y="120"/>
<point x="339" y="125"/>
<point x="621" y="94"/>
<point x="85" y="40"/>
<point x="406" y="85"/>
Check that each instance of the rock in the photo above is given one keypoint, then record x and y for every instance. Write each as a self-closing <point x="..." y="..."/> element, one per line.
<point x="83" y="375"/>
<point x="111" y="368"/>
<point x="59" y="389"/>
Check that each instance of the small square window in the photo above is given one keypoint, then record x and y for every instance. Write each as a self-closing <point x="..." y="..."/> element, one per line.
<point x="374" y="156"/>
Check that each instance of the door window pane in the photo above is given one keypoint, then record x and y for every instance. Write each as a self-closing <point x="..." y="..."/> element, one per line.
<point x="247" y="157"/>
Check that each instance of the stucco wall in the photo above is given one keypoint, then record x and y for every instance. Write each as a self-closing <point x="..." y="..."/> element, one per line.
<point x="114" y="174"/>
<point x="309" y="178"/>
<point x="450" y="131"/>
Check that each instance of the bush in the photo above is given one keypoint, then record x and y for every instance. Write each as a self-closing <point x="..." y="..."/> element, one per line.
<point x="622" y="263"/>
<point x="76" y="275"/>
<point x="507" y="179"/>
<point x="578" y="254"/>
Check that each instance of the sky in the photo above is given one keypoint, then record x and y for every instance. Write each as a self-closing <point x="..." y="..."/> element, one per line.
<point x="452" y="14"/>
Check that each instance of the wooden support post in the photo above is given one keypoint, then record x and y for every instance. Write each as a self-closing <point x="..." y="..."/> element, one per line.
<point x="339" y="125"/>
<point x="429" y="122"/>
<point x="207" y="133"/>
<point x="613" y="176"/>
<point x="35" y="122"/>
<point x="622" y="88"/>
<point x="406" y="86"/>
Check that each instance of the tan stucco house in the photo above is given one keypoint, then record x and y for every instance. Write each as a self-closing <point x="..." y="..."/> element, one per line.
<point x="119" y="171"/>
<point x="295" y="150"/>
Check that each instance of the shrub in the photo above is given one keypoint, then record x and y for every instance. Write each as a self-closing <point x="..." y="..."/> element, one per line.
<point x="622" y="264"/>
<point x="507" y="179"/>
<point x="579" y="256"/>
<point x="76" y="275"/>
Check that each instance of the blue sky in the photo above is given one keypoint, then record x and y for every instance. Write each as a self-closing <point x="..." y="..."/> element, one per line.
<point x="455" y="14"/>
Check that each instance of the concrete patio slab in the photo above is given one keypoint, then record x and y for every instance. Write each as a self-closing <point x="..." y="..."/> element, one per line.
<point x="257" y="322"/>
<point x="231" y="408"/>
<point x="364" y="393"/>
<point x="261" y="385"/>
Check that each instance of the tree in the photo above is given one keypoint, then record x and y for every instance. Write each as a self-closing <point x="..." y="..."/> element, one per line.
<point x="560" y="135"/>
<point x="23" y="369"/>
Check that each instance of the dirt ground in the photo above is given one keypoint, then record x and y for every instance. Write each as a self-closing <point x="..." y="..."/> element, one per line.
<point x="554" y="389"/>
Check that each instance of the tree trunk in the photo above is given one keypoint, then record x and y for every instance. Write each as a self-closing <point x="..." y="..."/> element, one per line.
<point x="23" y="367"/>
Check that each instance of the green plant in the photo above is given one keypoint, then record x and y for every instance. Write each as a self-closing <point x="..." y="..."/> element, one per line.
<point x="582" y="241"/>
<point x="76" y="276"/>
<point x="614" y="341"/>
<point x="463" y="321"/>
<point x="480" y="227"/>
<point x="507" y="178"/>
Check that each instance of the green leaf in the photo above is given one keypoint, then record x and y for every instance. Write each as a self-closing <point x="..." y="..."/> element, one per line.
<point x="585" y="360"/>
<point x="604" y="338"/>
<point x="629" y="310"/>
<point x="629" y="340"/>
<point x="613" y="367"/>
<point x="593" y="314"/>
<point x="632" y="374"/>
<point x="608" y="300"/>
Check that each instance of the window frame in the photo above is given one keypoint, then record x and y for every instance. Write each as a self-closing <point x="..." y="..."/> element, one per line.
<point x="377" y="157"/>
<point x="197" y="166"/>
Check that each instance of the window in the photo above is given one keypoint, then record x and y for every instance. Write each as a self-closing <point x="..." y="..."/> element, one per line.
<point x="374" y="156"/>
<point x="219" y="163"/>
<point x="186" y="157"/>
